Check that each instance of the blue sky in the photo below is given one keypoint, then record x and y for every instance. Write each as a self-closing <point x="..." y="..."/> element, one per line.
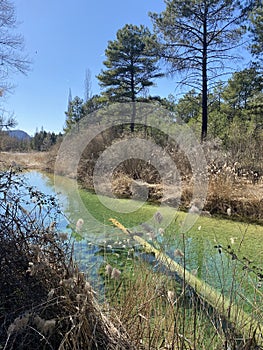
<point x="64" y="38"/>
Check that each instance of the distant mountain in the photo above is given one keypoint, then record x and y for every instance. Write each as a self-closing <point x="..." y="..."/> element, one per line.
<point x="19" y="134"/>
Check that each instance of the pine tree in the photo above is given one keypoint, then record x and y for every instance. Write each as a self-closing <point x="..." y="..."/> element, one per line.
<point x="257" y="31"/>
<point x="131" y="65"/>
<point x="196" y="37"/>
<point x="74" y="113"/>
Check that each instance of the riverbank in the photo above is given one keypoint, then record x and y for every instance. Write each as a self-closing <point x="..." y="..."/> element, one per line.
<point x="240" y="199"/>
<point x="27" y="160"/>
<point x="145" y="301"/>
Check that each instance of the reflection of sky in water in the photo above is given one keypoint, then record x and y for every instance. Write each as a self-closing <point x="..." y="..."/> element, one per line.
<point x="42" y="184"/>
<point x="214" y="268"/>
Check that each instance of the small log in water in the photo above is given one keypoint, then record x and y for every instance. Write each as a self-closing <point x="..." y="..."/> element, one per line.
<point x="242" y="321"/>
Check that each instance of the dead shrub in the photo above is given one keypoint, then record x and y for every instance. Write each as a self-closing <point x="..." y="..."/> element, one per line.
<point x="45" y="302"/>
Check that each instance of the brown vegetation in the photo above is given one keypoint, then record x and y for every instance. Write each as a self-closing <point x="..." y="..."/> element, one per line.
<point x="46" y="303"/>
<point x="233" y="184"/>
<point x="43" y="161"/>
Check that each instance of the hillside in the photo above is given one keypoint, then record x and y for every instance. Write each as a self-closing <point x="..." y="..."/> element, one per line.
<point x="19" y="134"/>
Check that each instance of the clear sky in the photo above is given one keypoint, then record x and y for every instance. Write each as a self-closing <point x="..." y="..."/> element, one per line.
<point x="64" y="38"/>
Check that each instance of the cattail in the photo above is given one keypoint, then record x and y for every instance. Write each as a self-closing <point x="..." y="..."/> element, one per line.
<point x="115" y="273"/>
<point x="108" y="269"/>
<point x="178" y="253"/>
<point x="228" y="211"/>
<point x="119" y="225"/>
<point x="63" y="236"/>
<point x="79" y="225"/>
<point x="161" y="231"/>
<point x="171" y="296"/>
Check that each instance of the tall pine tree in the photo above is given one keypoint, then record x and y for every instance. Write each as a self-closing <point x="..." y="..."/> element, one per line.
<point x="257" y="31"/>
<point x="197" y="37"/>
<point x="131" y="65"/>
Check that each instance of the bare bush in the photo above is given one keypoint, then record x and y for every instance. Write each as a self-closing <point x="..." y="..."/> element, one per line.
<point x="46" y="303"/>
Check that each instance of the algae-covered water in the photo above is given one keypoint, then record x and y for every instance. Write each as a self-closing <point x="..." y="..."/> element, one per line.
<point x="214" y="249"/>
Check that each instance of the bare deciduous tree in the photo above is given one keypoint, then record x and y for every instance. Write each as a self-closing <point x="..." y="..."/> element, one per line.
<point x="88" y="85"/>
<point x="7" y="122"/>
<point x="12" y="58"/>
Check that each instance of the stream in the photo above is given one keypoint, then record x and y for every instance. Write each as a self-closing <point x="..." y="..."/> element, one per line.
<point x="215" y="250"/>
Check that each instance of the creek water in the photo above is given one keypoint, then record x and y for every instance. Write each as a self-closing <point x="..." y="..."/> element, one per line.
<point x="224" y="268"/>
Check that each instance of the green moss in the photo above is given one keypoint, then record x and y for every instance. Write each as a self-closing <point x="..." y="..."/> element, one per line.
<point x="244" y="238"/>
<point x="103" y="213"/>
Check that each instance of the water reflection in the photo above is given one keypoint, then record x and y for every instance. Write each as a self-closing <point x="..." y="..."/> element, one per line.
<point x="201" y="257"/>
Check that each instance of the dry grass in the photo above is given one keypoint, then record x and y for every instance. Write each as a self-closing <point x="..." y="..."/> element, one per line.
<point x="230" y="185"/>
<point x="29" y="160"/>
<point x="160" y="313"/>
<point x="45" y="302"/>
<point x="244" y="199"/>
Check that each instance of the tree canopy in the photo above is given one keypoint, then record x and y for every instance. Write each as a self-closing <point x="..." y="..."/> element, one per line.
<point x="257" y="31"/>
<point x="196" y="37"/>
<point x="131" y="64"/>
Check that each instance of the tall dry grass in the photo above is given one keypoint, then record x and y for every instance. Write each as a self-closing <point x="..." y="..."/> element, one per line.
<point x="45" y="301"/>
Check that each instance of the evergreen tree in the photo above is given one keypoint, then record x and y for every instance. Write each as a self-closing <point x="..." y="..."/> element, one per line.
<point x="69" y="98"/>
<point x="74" y="113"/>
<point x="257" y="31"/>
<point x="43" y="140"/>
<point x="94" y="103"/>
<point x="131" y="65"/>
<point x="240" y="90"/>
<point x="196" y="37"/>
<point x="188" y="107"/>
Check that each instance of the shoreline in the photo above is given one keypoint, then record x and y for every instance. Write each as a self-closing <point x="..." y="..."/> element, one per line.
<point x="244" y="199"/>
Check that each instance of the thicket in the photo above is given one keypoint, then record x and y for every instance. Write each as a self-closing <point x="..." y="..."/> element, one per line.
<point x="45" y="301"/>
<point x="235" y="124"/>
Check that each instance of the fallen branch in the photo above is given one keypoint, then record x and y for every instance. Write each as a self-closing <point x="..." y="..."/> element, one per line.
<point x="241" y="320"/>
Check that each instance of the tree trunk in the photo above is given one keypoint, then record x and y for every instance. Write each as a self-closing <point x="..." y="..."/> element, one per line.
<point x="133" y="116"/>
<point x="204" y="80"/>
<point x="133" y="100"/>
